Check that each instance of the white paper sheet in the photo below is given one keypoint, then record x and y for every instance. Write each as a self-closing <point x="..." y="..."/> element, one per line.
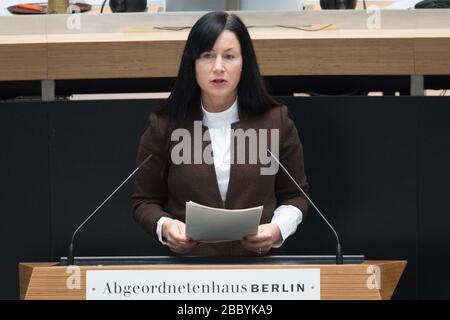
<point x="209" y="224"/>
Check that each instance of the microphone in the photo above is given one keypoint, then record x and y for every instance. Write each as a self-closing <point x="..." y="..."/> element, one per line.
<point x="339" y="256"/>
<point x="70" y="256"/>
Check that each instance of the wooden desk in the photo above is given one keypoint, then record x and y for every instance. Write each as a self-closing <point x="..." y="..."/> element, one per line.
<point x="343" y="282"/>
<point x="130" y="51"/>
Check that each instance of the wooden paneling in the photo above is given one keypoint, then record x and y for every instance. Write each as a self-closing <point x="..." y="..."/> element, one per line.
<point x="432" y="56"/>
<point x="335" y="56"/>
<point x="23" y="58"/>
<point x="121" y="59"/>
<point x="279" y="52"/>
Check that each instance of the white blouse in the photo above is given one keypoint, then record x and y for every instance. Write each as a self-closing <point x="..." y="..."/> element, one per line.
<point x="286" y="217"/>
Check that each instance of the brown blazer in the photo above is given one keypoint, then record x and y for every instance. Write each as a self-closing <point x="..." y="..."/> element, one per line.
<point x="163" y="188"/>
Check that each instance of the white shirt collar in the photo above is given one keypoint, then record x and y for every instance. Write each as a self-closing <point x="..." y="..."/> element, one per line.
<point x="221" y="119"/>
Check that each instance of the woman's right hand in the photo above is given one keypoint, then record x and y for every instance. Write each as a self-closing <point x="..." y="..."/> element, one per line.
<point x="175" y="233"/>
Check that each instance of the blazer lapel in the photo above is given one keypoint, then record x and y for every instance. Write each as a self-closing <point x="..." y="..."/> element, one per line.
<point x="235" y="169"/>
<point x="212" y="193"/>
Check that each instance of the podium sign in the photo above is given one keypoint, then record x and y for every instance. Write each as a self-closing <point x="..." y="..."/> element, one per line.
<point x="217" y="284"/>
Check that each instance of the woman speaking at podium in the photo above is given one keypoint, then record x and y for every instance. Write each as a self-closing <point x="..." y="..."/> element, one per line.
<point x="219" y="90"/>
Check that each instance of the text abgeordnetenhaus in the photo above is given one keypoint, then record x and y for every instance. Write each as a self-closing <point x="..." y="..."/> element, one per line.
<point x="213" y="287"/>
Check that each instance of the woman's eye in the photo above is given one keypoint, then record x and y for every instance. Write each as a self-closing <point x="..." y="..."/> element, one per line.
<point x="207" y="55"/>
<point x="229" y="57"/>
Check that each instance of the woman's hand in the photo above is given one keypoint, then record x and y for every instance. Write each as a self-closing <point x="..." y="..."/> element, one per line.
<point x="175" y="233"/>
<point x="262" y="241"/>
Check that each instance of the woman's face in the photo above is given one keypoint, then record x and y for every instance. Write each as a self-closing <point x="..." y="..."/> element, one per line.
<point x="218" y="71"/>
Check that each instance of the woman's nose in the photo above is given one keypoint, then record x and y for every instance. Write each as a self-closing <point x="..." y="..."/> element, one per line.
<point x="218" y="65"/>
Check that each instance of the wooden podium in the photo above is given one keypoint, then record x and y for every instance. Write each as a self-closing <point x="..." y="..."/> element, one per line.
<point x="374" y="280"/>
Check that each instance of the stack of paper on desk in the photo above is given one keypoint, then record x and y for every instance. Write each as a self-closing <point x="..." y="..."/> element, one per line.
<point x="205" y="223"/>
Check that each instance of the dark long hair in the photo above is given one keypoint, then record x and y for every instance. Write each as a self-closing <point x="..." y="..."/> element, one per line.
<point x="252" y="94"/>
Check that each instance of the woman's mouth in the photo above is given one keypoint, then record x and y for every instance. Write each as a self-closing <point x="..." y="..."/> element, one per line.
<point x="218" y="82"/>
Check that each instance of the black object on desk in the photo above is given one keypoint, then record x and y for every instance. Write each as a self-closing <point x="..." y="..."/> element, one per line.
<point x="128" y="5"/>
<point x="432" y="4"/>
<point x="338" y="4"/>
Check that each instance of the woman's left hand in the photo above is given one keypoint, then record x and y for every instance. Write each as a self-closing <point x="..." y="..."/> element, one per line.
<point x="262" y="241"/>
